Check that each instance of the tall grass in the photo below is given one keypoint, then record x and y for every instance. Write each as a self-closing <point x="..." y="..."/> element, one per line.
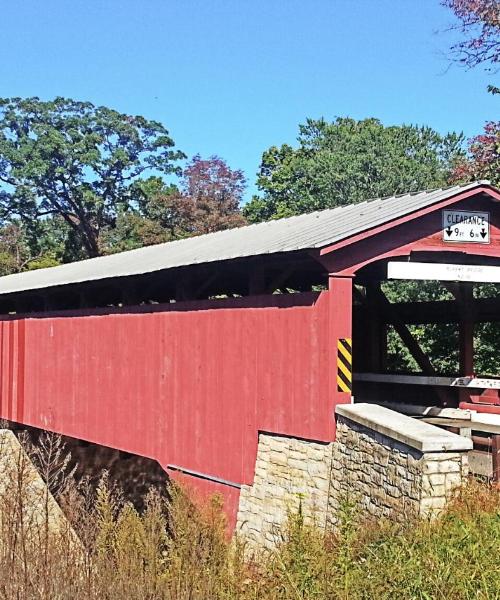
<point x="178" y="549"/>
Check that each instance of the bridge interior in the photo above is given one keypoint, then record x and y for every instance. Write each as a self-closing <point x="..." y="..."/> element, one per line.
<point x="422" y="338"/>
<point x="286" y="273"/>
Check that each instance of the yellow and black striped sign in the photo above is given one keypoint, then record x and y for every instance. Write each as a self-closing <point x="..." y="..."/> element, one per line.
<point x="344" y="365"/>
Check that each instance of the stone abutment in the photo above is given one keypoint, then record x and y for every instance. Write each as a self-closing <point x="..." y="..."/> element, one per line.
<point x="387" y="464"/>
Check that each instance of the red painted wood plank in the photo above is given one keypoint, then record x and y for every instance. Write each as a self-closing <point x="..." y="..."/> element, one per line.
<point x="191" y="388"/>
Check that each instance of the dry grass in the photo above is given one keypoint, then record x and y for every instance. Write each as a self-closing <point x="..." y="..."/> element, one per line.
<point x="177" y="550"/>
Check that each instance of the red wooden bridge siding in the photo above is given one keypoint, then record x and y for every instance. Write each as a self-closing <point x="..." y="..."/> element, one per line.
<point x="189" y="384"/>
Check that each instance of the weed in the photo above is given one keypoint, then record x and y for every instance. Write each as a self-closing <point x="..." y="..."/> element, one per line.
<point x="177" y="548"/>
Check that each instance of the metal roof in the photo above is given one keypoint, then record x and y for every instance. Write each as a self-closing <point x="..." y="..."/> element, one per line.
<point x="308" y="231"/>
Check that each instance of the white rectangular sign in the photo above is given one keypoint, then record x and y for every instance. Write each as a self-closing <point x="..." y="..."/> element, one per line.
<point x="466" y="226"/>
<point x="443" y="272"/>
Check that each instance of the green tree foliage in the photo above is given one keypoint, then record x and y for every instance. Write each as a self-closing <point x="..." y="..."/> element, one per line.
<point x="73" y="184"/>
<point x="206" y="199"/>
<point x="350" y="161"/>
<point x="76" y="161"/>
<point x="23" y="249"/>
<point x="440" y="341"/>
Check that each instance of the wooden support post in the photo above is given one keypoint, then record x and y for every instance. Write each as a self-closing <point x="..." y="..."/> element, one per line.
<point x="404" y="333"/>
<point x="204" y="286"/>
<point x="256" y="281"/>
<point x="48" y="302"/>
<point x="466" y="348"/>
<point x="463" y="293"/>
<point x="129" y="295"/>
<point x="340" y="332"/>
<point x="464" y="297"/>
<point x="83" y="299"/>
<point x="495" y="455"/>
<point x="183" y="289"/>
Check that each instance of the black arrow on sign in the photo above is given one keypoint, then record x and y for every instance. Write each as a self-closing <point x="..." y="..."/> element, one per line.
<point x="449" y="231"/>
<point x="483" y="233"/>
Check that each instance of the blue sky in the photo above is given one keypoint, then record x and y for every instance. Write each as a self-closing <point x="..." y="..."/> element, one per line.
<point x="232" y="77"/>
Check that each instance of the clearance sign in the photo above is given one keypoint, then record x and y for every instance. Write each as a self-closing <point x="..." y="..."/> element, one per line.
<point x="465" y="226"/>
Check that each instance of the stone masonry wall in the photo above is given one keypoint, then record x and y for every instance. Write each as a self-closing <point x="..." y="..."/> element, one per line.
<point x="387" y="478"/>
<point x="368" y="464"/>
<point x="289" y="473"/>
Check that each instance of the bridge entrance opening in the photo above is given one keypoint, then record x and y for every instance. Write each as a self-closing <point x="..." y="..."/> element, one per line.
<point x="427" y="331"/>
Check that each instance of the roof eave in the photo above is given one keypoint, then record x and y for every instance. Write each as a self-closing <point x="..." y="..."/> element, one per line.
<point x="482" y="187"/>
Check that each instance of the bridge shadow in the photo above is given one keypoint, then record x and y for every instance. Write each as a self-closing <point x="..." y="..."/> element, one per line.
<point x="133" y="475"/>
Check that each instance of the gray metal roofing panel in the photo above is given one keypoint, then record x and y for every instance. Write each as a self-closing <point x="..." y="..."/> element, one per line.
<point x="312" y="230"/>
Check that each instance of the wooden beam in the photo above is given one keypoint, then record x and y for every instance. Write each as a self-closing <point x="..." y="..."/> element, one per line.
<point x="129" y="294"/>
<point x="443" y="272"/>
<point x="475" y="383"/>
<point x="280" y="279"/>
<point x="257" y="281"/>
<point x="464" y="297"/>
<point x="206" y="283"/>
<point x="404" y="333"/>
<point x="466" y="331"/>
<point x="376" y="330"/>
<point x="184" y="289"/>
<point x="390" y="316"/>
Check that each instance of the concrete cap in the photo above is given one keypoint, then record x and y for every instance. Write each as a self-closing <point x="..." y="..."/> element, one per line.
<point x="413" y="433"/>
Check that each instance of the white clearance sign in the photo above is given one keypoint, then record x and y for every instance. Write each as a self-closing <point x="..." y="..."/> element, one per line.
<point x="466" y="226"/>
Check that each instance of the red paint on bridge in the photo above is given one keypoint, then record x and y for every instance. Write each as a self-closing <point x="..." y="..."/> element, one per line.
<point x="188" y="384"/>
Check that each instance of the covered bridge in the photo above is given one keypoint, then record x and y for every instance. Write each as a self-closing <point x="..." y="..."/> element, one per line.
<point x="184" y="352"/>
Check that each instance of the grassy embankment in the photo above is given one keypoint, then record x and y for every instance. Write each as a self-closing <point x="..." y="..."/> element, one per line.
<point x="174" y="550"/>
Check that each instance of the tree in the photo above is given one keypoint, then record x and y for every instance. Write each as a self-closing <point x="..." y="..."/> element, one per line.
<point x="76" y="161"/>
<point x="207" y="199"/>
<point x="441" y="340"/>
<point x="483" y="160"/>
<point x="479" y="21"/>
<point x="14" y="250"/>
<point x="19" y="253"/>
<point x="215" y="193"/>
<point x="349" y="161"/>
